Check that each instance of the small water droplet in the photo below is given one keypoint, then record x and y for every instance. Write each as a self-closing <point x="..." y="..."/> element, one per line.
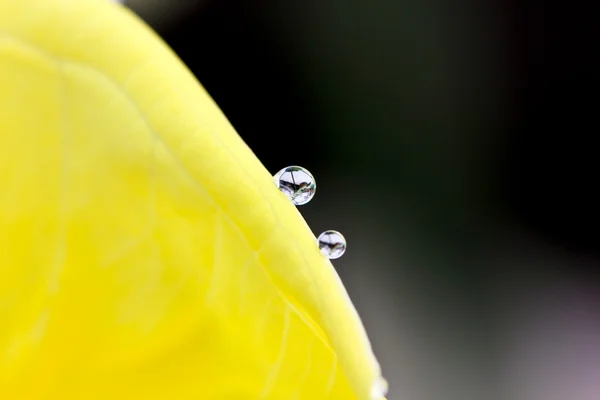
<point x="379" y="389"/>
<point x="297" y="184"/>
<point x="332" y="244"/>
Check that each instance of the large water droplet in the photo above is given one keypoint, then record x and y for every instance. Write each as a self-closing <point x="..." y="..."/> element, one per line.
<point x="296" y="183"/>
<point x="379" y="389"/>
<point x="332" y="244"/>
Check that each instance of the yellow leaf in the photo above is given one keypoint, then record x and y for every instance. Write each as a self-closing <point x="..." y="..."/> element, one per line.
<point x="145" y="252"/>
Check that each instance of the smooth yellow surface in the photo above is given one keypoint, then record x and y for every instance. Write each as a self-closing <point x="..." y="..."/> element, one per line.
<point x="144" y="251"/>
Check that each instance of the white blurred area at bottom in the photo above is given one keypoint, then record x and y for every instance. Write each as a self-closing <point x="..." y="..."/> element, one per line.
<point x="554" y="348"/>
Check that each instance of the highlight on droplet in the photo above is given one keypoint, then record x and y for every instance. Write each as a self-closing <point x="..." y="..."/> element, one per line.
<point x="332" y="244"/>
<point x="379" y="389"/>
<point x="296" y="183"/>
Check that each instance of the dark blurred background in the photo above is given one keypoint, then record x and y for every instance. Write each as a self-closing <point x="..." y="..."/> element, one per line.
<point x="454" y="145"/>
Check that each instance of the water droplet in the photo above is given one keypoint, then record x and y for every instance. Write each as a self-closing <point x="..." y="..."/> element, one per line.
<point x="332" y="244"/>
<point x="297" y="184"/>
<point x="379" y="389"/>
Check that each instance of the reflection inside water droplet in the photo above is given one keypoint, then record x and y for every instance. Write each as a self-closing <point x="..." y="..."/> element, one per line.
<point x="296" y="183"/>
<point x="379" y="389"/>
<point x="332" y="244"/>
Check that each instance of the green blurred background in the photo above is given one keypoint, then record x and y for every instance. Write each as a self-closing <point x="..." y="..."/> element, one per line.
<point x="453" y="146"/>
